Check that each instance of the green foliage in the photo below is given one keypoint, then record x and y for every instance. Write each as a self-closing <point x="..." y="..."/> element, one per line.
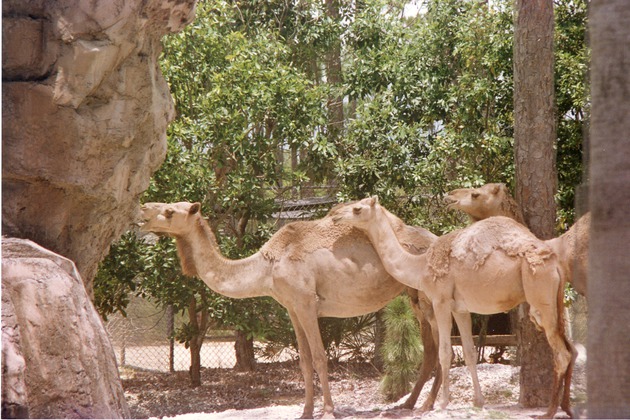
<point x="433" y="100"/>
<point x="242" y="106"/>
<point x="402" y="349"/>
<point x="428" y="104"/>
<point x="117" y="277"/>
<point x="572" y="98"/>
<point x="433" y="106"/>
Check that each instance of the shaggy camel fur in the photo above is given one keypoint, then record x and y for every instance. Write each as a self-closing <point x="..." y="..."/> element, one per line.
<point x="495" y="200"/>
<point x="489" y="267"/>
<point x="314" y="269"/>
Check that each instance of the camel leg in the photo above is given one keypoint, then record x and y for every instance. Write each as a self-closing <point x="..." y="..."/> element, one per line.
<point x="565" y="404"/>
<point x="566" y="398"/>
<point x="553" y="327"/>
<point x="433" y="350"/>
<point x="445" y="322"/>
<point x="562" y="358"/>
<point x="547" y="311"/>
<point x="306" y="365"/>
<point x="464" y="323"/>
<point x="308" y="320"/>
<point x="428" y="330"/>
<point x="429" y="363"/>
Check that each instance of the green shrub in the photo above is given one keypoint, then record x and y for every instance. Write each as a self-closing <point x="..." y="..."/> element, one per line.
<point x="402" y="349"/>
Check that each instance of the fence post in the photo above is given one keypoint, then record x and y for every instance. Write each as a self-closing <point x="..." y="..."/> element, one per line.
<point x="170" y="322"/>
<point x="123" y="343"/>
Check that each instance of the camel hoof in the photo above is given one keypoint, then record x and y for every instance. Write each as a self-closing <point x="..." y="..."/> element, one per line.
<point x="328" y="416"/>
<point x="547" y="415"/>
<point x="569" y="412"/>
<point x="426" y="408"/>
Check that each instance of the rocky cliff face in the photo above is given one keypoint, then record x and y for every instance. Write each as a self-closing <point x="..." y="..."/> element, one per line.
<point x="84" y="115"/>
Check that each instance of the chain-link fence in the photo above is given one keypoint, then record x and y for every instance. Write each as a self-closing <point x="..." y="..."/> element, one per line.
<point x="142" y="340"/>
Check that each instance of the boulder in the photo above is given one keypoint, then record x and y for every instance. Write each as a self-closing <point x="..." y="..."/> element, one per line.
<point x="57" y="360"/>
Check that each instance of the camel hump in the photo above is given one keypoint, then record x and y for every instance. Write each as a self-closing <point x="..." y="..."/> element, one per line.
<point x="474" y="244"/>
<point x="295" y="240"/>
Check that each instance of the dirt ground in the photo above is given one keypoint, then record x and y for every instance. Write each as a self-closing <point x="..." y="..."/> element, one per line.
<point x="276" y="390"/>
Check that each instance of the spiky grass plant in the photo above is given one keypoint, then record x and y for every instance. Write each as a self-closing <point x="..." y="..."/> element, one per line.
<point x="402" y="349"/>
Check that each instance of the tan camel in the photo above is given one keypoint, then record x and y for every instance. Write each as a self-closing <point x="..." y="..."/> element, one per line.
<point x="489" y="267"/>
<point x="486" y="201"/>
<point x="314" y="269"/>
<point x="495" y="200"/>
<point x="572" y="250"/>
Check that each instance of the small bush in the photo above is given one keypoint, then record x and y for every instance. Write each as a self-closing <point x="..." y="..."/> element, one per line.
<point x="402" y="349"/>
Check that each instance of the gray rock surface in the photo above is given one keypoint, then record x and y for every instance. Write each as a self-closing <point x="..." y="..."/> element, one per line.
<point x="57" y="359"/>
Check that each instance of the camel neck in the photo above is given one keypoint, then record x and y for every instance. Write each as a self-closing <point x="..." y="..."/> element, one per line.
<point x="400" y="264"/>
<point x="200" y="256"/>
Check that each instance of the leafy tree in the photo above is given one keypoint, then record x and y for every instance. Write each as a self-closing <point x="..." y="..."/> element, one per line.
<point x="536" y="175"/>
<point x="434" y="106"/>
<point x="241" y="107"/>
<point x="427" y="108"/>
<point x="572" y="100"/>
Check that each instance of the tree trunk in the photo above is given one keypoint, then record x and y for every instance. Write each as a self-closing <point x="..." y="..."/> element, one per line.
<point x="195" y="363"/>
<point x="244" y="349"/>
<point x="536" y="178"/>
<point x="608" y="369"/>
<point x="334" y="77"/>
<point x="199" y="325"/>
<point x="379" y="340"/>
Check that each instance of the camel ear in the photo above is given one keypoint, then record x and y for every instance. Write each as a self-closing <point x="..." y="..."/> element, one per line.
<point x="373" y="200"/>
<point x="194" y="209"/>
<point x="497" y="188"/>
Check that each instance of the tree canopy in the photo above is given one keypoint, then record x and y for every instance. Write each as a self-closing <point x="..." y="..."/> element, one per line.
<point x="427" y="106"/>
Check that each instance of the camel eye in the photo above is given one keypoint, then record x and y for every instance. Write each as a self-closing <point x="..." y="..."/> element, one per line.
<point x="475" y="195"/>
<point x="168" y="213"/>
<point x="356" y="210"/>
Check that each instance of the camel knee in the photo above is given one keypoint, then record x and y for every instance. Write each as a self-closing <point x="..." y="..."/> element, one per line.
<point x="536" y="317"/>
<point x="563" y="354"/>
<point x="306" y="365"/>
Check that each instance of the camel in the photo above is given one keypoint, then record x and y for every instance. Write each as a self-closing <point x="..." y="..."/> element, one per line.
<point x="572" y="249"/>
<point x="489" y="267"/>
<point x="314" y="269"/>
<point x="486" y="201"/>
<point x="495" y="200"/>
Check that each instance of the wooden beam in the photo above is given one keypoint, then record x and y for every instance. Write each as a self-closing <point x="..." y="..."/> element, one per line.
<point x="491" y="340"/>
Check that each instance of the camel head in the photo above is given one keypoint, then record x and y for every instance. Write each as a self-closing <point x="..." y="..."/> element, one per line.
<point x="359" y="214"/>
<point x="170" y="218"/>
<point x="477" y="202"/>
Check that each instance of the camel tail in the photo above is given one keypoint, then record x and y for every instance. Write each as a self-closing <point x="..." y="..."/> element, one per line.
<point x="566" y="378"/>
<point x="560" y="300"/>
<point x="561" y="310"/>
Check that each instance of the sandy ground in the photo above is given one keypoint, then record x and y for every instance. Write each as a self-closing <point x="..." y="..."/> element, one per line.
<point x="275" y="391"/>
<point x="499" y="385"/>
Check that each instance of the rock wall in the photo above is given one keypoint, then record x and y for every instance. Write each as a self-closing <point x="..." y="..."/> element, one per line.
<point x="58" y="361"/>
<point x="84" y="116"/>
